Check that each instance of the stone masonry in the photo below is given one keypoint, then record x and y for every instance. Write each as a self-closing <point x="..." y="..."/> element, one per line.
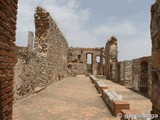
<point x="77" y="59"/>
<point x="111" y="57"/>
<point x="141" y="72"/>
<point x="134" y="74"/>
<point x="48" y="59"/>
<point x="101" y="64"/>
<point x="8" y="12"/>
<point x="155" y="66"/>
<point x="125" y="73"/>
<point x="44" y="64"/>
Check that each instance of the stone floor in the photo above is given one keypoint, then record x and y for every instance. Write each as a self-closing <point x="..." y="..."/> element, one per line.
<point x="74" y="98"/>
<point x="137" y="101"/>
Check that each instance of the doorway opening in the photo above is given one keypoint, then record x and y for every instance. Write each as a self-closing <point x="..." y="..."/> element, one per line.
<point x="89" y="62"/>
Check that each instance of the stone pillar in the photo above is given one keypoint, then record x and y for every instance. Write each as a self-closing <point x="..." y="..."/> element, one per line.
<point x="93" y="63"/>
<point x="111" y="56"/>
<point x="155" y="62"/>
<point x="113" y="75"/>
<point x="8" y="12"/>
<point x="30" y="40"/>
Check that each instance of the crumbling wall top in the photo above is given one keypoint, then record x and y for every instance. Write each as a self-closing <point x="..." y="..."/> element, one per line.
<point x="112" y="40"/>
<point x="40" y="12"/>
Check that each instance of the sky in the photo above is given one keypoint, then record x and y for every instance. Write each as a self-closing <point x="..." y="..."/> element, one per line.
<point x="90" y="23"/>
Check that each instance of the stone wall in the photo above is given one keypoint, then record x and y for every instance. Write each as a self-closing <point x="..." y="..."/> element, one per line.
<point x="8" y="12"/>
<point x="141" y="75"/>
<point x="125" y="73"/>
<point x="100" y="69"/>
<point x="79" y="56"/>
<point x="155" y="73"/>
<point x="117" y="72"/>
<point x="135" y="74"/>
<point x="77" y="69"/>
<point x="111" y="57"/>
<point x="46" y="63"/>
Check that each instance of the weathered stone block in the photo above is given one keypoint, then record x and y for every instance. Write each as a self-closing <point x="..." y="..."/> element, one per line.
<point x="130" y="113"/>
<point x="114" y="101"/>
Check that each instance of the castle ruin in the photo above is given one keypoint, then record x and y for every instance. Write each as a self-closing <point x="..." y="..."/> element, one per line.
<point x="47" y="59"/>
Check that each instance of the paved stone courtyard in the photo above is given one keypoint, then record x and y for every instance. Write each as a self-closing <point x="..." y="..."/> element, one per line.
<point x="74" y="98"/>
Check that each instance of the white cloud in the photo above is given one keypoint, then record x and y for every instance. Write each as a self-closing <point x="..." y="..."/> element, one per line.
<point x="133" y="38"/>
<point x="126" y="0"/>
<point x="124" y="27"/>
<point x="73" y="3"/>
<point x="67" y="16"/>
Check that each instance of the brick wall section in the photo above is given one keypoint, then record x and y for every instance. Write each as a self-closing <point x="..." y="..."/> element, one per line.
<point x="8" y="12"/>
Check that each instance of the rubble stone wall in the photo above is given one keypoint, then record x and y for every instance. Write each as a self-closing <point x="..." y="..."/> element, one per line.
<point x="155" y="62"/>
<point x="111" y="57"/>
<point x="100" y="70"/>
<point x="136" y="74"/>
<point x="47" y="62"/>
<point x="125" y="73"/>
<point x="77" y="69"/>
<point x="8" y="12"/>
<point x="141" y="75"/>
<point x="79" y="56"/>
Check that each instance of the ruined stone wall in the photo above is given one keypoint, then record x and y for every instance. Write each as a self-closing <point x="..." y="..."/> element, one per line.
<point x="79" y="56"/>
<point x="149" y="79"/>
<point x="155" y="33"/>
<point x="8" y="12"/>
<point x="117" y="72"/>
<point x="141" y="75"/>
<point x="126" y="73"/>
<point x="113" y="74"/>
<point x="77" y="69"/>
<point x="136" y="74"/>
<point x="23" y="78"/>
<point x="111" y="57"/>
<point x="51" y="46"/>
<point x="100" y="69"/>
<point x="47" y="63"/>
